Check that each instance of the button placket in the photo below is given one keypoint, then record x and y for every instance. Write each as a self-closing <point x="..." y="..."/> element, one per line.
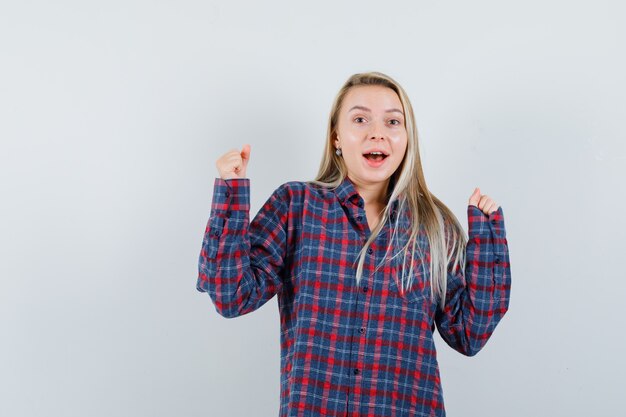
<point x="494" y="227"/>
<point x="360" y="327"/>
<point x="357" y="209"/>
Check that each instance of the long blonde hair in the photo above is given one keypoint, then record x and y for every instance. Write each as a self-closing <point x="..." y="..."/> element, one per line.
<point x="407" y="185"/>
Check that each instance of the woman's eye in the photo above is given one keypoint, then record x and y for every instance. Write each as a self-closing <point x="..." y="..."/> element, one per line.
<point x="357" y="118"/>
<point x="397" y="122"/>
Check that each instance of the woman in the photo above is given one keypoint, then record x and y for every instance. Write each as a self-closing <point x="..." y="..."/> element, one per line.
<point x="365" y="261"/>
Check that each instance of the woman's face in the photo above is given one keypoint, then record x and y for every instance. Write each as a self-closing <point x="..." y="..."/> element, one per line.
<point x="371" y="120"/>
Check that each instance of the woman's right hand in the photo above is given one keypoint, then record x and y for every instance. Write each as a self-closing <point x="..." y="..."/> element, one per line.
<point x="233" y="164"/>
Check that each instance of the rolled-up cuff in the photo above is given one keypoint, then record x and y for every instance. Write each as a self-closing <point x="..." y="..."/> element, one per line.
<point x="231" y="195"/>
<point x="480" y="224"/>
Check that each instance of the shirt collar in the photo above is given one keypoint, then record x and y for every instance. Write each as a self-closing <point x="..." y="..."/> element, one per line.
<point x="346" y="192"/>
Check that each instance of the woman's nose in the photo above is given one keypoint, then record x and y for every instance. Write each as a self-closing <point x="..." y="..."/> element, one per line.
<point x="376" y="131"/>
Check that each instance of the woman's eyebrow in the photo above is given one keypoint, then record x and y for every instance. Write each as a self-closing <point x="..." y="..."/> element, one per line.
<point x="366" y="109"/>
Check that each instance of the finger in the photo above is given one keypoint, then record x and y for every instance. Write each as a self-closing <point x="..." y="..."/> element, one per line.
<point x="237" y="164"/>
<point x="232" y="163"/>
<point x="236" y="157"/>
<point x="230" y="153"/>
<point x="483" y="201"/>
<point x="488" y="204"/>
<point x="245" y="153"/>
<point x="473" y="200"/>
<point x="227" y="158"/>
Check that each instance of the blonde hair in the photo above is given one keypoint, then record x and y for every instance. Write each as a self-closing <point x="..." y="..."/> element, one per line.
<point x="407" y="185"/>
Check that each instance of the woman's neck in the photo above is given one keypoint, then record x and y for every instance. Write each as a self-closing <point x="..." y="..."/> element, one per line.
<point x="373" y="194"/>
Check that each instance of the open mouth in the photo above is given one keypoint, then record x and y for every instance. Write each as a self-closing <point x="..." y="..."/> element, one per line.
<point x="375" y="156"/>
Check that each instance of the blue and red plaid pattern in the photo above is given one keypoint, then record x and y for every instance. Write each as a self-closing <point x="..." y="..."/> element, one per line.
<point x="348" y="350"/>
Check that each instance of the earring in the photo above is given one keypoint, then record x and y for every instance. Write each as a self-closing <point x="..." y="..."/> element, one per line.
<point x="338" y="152"/>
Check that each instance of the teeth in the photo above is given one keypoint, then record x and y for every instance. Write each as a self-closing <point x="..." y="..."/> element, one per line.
<point x="376" y="153"/>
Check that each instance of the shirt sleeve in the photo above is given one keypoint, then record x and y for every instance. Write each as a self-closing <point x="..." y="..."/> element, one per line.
<point x="478" y="296"/>
<point x="241" y="263"/>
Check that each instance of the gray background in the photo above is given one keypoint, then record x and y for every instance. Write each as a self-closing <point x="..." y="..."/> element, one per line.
<point x="113" y="114"/>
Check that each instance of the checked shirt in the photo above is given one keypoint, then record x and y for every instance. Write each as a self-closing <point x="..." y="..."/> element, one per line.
<point x="349" y="350"/>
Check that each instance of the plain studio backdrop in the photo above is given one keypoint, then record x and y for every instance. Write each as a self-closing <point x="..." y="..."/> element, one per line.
<point x="112" y="115"/>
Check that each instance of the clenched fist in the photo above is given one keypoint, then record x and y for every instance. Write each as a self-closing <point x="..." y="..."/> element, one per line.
<point x="483" y="202"/>
<point x="233" y="164"/>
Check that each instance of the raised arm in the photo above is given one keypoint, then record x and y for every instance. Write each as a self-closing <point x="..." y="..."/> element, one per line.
<point x="477" y="296"/>
<point x="241" y="263"/>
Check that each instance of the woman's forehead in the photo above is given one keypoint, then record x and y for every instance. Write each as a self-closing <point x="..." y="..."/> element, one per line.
<point x="372" y="99"/>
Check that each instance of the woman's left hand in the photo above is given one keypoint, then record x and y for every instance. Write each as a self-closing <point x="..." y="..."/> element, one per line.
<point x="483" y="202"/>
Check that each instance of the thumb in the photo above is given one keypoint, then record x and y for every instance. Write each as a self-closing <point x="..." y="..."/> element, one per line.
<point x="245" y="154"/>
<point x="475" y="197"/>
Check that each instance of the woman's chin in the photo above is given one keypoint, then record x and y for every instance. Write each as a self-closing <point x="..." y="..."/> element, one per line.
<point x="372" y="177"/>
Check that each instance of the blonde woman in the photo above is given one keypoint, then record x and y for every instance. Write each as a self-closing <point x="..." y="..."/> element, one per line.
<point x="365" y="261"/>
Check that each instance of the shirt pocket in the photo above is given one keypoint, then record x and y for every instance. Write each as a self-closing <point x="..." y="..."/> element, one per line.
<point x="415" y="291"/>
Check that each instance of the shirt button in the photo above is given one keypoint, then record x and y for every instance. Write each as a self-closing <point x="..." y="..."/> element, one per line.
<point x="359" y="218"/>
<point x="362" y="330"/>
<point x="227" y="194"/>
<point x="360" y="203"/>
<point x="356" y="371"/>
<point x="365" y="289"/>
<point x="497" y="260"/>
<point x="370" y="250"/>
<point x="216" y="232"/>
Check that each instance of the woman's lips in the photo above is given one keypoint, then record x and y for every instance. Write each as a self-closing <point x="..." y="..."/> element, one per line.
<point x="374" y="164"/>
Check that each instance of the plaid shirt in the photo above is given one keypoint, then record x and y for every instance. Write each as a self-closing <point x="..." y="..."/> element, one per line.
<point x="348" y="350"/>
